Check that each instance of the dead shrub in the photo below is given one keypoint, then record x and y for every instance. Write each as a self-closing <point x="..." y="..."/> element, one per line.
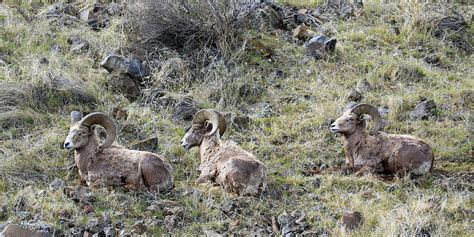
<point x="202" y="30"/>
<point x="448" y="25"/>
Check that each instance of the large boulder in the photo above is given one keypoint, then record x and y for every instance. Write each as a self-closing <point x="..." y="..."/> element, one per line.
<point x="119" y="64"/>
<point x="14" y="230"/>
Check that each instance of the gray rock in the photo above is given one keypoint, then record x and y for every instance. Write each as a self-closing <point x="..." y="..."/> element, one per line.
<point x="122" y="83"/>
<point x="77" y="44"/>
<point x="262" y="110"/>
<point x="56" y="184"/>
<point x="424" y="110"/>
<point x="119" y="64"/>
<point x="184" y="111"/>
<point x="364" y="86"/>
<point x="79" y="194"/>
<point x="125" y="233"/>
<point x="21" y="204"/>
<point x="55" y="49"/>
<point x="354" y="95"/>
<point x="97" y="16"/>
<point x="241" y="122"/>
<point x="233" y="207"/>
<point x="3" y="212"/>
<point x="14" y="230"/>
<point x="109" y="231"/>
<point x="271" y="17"/>
<point x="319" y="46"/>
<point x="352" y="220"/>
<point x="60" y="9"/>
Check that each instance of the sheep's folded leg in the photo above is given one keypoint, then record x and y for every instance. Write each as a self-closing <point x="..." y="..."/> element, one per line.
<point x="365" y="170"/>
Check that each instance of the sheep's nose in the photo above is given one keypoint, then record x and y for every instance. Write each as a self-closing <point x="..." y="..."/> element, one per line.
<point x="67" y="145"/>
<point x="333" y="125"/>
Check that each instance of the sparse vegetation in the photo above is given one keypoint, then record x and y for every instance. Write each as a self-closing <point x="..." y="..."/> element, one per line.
<point x="390" y="52"/>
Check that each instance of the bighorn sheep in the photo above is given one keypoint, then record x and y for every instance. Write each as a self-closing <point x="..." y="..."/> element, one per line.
<point x="223" y="162"/>
<point x="380" y="152"/>
<point x="105" y="165"/>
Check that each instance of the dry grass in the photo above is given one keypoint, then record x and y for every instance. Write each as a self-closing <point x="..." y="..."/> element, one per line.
<point x="292" y="142"/>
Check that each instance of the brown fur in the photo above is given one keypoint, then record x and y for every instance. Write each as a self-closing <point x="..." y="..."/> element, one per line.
<point x="382" y="152"/>
<point x="116" y="165"/>
<point x="226" y="164"/>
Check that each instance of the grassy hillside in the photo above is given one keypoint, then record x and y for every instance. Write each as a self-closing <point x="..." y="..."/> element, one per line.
<point x="392" y="49"/>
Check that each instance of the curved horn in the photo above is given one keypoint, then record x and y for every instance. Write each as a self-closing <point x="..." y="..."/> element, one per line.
<point x="76" y="116"/>
<point x="106" y="122"/>
<point x="373" y="112"/>
<point x="216" y="119"/>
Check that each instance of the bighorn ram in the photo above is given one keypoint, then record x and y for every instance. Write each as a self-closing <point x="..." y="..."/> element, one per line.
<point x="104" y="165"/>
<point x="379" y="151"/>
<point x="223" y="162"/>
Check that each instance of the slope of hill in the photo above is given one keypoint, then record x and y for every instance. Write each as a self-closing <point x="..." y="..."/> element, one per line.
<point x="278" y="102"/>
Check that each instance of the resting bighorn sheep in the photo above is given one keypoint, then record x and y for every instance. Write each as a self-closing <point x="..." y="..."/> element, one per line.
<point x="105" y="165"/>
<point x="223" y="162"/>
<point x="379" y="151"/>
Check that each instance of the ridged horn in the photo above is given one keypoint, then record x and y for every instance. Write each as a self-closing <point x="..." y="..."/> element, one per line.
<point x="373" y="112"/>
<point x="76" y="116"/>
<point x="106" y="122"/>
<point x="214" y="117"/>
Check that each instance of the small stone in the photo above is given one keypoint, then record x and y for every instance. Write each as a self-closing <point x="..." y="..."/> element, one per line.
<point x="77" y="44"/>
<point x="56" y="184"/>
<point x="354" y="95"/>
<point x="125" y="233"/>
<point x="352" y="220"/>
<point x="43" y="61"/>
<point x="433" y="59"/>
<point x="55" y="49"/>
<point x="233" y="207"/>
<point x="364" y="86"/>
<point x="170" y="221"/>
<point x="319" y="46"/>
<point x="109" y="231"/>
<point x="317" y="182"/>
<point x="21" y="204"/>
<point x="424" y="110"/>
<point x="79" y="194"/>
<point x="303" y="32"/>
<point x="271" y="17"/>
<point x="241" y="122"/>
<point x="119" y="113"/>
